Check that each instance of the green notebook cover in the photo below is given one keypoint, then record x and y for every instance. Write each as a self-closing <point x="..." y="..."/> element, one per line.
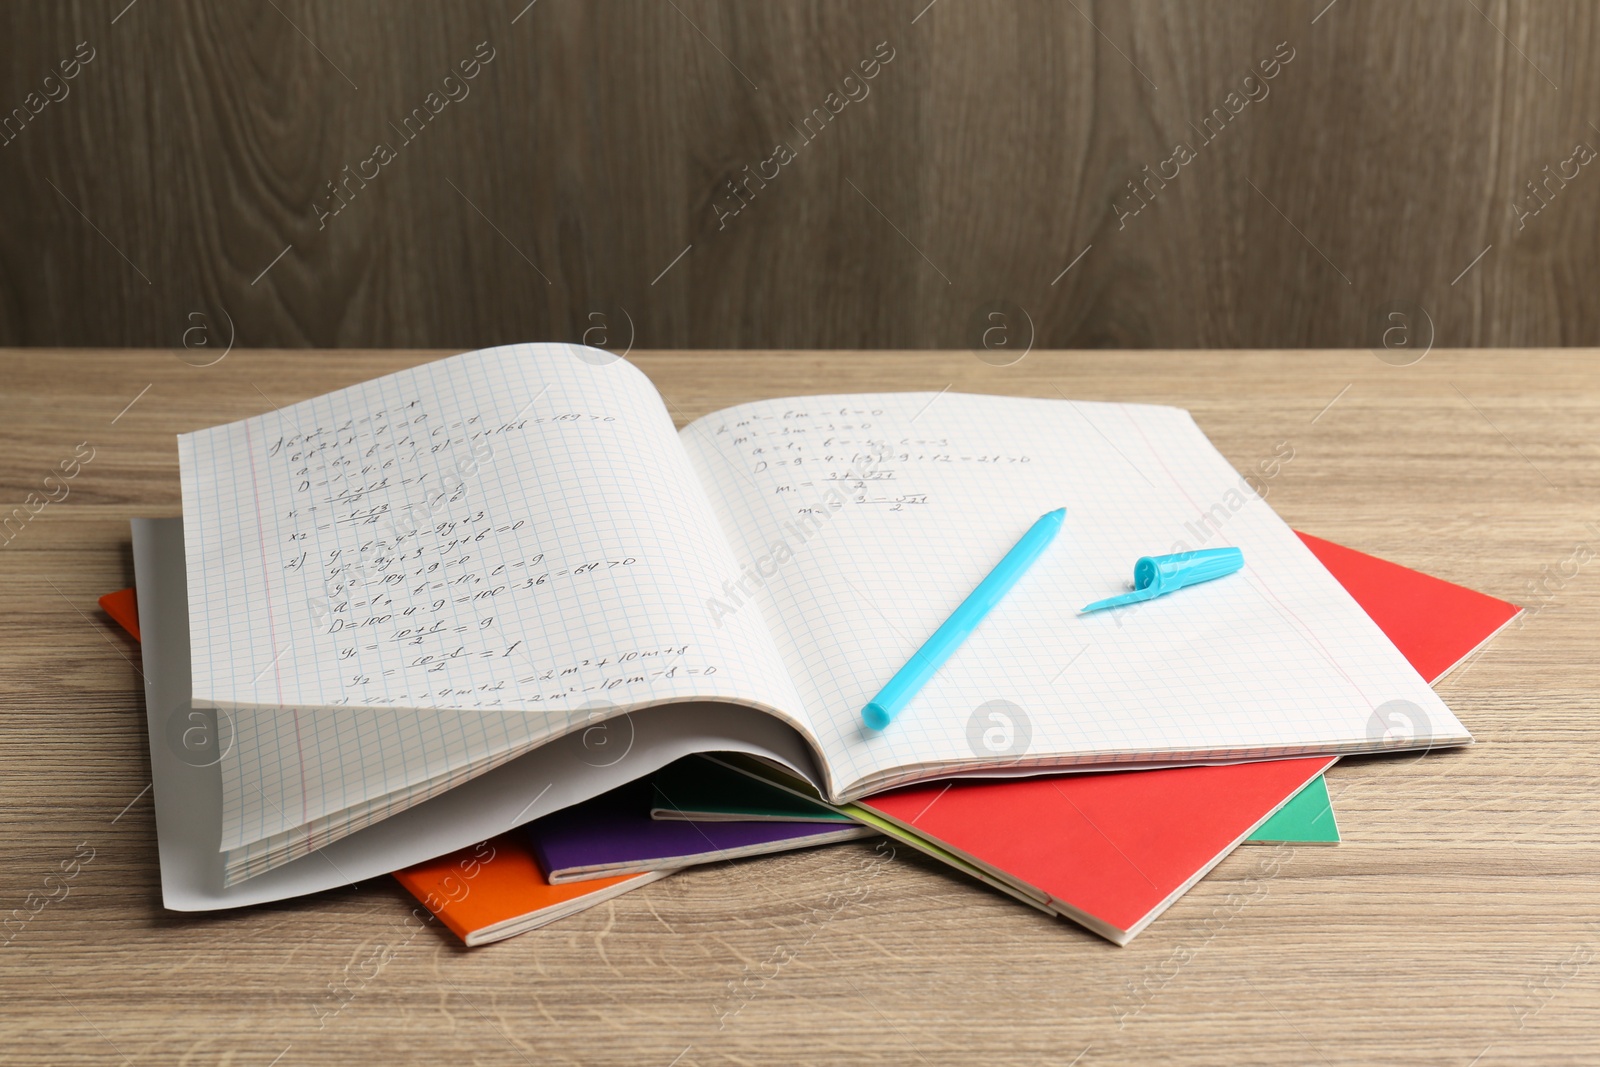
<point x="1307" y="819"/>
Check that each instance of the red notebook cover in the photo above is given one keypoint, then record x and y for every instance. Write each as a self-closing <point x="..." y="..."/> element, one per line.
<point x="1112" y="851"/>
<point x="1434" y="623"/>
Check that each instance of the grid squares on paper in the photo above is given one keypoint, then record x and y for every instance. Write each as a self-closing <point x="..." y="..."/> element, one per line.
<point x="559" y="567"/>
<point x="920" y="494"/>
<point x="802" y="547"/>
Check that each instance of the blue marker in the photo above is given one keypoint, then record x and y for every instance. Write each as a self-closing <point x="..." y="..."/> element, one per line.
<point x="1155" y="576"/>
<point x="947" y="638"/>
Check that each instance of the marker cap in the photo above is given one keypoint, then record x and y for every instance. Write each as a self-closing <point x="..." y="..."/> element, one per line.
<point x="1166" y="573"/>
<point x="1155" y="576"/>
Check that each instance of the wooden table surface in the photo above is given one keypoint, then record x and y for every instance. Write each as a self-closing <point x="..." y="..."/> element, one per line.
<point x="1459" y="922"/>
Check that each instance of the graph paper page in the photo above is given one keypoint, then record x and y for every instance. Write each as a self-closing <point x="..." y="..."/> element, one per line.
<point x="508" y="531"/>
<point x="860" y="522"/>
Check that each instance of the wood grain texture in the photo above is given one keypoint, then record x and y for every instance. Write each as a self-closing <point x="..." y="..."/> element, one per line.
<point x="597" y="147"/>
<point x="1456" y="921"/>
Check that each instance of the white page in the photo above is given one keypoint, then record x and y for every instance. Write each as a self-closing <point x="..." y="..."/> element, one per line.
<point x="188" y="791"/>
<point x="443" y="567"/>
<point x="894" y="506"/>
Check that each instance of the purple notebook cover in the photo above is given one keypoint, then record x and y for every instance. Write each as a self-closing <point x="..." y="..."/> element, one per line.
<point x="615" y="828"/>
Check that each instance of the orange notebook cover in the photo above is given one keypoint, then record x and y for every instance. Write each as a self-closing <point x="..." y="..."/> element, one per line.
<point x="123" y="607"/>
<point x="494" y="890"/>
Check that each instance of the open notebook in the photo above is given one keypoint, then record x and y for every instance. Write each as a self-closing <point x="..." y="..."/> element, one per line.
<point x="404" y="584"/>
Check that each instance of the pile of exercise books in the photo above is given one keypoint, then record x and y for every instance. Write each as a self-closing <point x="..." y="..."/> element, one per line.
<point x="494" y="625"/>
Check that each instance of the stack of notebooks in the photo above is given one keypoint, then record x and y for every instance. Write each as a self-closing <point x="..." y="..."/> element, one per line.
<point x="494" y="625"/>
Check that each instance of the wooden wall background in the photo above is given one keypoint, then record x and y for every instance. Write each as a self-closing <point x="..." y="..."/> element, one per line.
<point x="581" y="176"/>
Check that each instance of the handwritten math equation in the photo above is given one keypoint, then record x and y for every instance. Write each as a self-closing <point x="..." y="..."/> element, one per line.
<point x="423" y="588"/>
<point x="845" y="457"/>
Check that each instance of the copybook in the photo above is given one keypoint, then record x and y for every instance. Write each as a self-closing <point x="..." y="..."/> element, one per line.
<point x="614" y="834"/>
<point x="1307" y="819"/>
<point x="494" y="890"/>
<point x="1122" y="847"/>
<point x="1113" y="851"/>
<point x="397" y="587"/>
<point x="1434" y="624"/>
